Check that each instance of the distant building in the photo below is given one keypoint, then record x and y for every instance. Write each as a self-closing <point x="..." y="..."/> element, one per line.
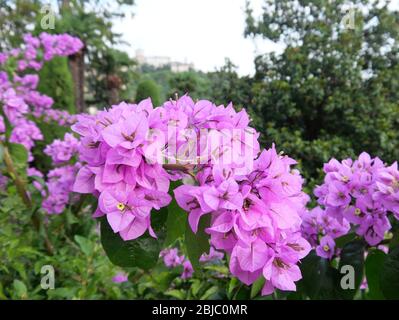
<point x="181" y="66"/>
<point x="162" y="61"/>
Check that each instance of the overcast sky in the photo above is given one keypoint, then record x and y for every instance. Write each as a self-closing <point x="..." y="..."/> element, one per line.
<point x="200" y="31"/>
<point x="204" y="32"/>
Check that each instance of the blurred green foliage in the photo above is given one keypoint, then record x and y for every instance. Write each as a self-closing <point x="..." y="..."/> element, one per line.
<point x="148" y="89"/>
<point x="56" y="82"/>
<point x="82" y="271"/>
<point x="16" y="18"/>
<point x="334" y="91"/>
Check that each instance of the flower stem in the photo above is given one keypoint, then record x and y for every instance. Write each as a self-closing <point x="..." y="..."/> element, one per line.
<point x="19" y="183"/>
<point x="38" y="225"/>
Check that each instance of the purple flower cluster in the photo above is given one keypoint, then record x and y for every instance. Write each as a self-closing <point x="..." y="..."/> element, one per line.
<point x="60" y="180"/>
<point x="120" y="277"/>
<point x="321" y="228"/>
<point x="172" y="259"/>
<point x="34" y="173"/>
<point x="255" y="218"/>
<point x="213" y="255"/>
<point x="59" y="45"/>
<point x="61" y="117"/>
<point x="59" y="185"/>
<point x="255" y="200"/>
<point x="19" y="97"/>
<point x="14" y="106"/>
<point x="363" y="193"/>
<point x="62" y="151"/>
<point x="25" y="132"/>
<point x="113" y="144"/>
<point x="46" y="46"/>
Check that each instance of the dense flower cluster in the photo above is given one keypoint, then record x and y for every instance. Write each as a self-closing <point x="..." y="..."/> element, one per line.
<point x="255" y="218"/>
<point x="26" y="132"/>
<point x="21" y="103"/>
<point x="58" y="192"/>
<point x="62" y="151"/>
<point x="361" y="192"/>
<point x="254" y="199"/>
<point x="318" y="224"/>
<point x="59" y="185"/>
<point x="61" y="117"/>
<point x="59" y="45"/>
<point x="35" y="49"/>
<point x="113" y="144"/>
<point x="19" y="98"/>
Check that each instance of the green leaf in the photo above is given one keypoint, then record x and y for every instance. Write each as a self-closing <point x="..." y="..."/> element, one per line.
<point x="178" y="294"/>
<point x="231" y="286"/>
<point x="243" y="293"/>
<point x="196" y="285"/>
<point x="158" y="223"/>
<point x="142" y="252"/>
<point x="257" y="286"/>
<point x="164" y="279"/>
<point x="85" y="245"/>
<point x="175" y="224"/>
<point x="19" y="155"/>
<point x="218" y="269"/>
<point x="70" y="217"/>
<point x="39" y="179"/>
<point x="352" y="254"/>
<point x="389" y="275"/>
<point x="20" y="289"/>
<point x="395" y="239"/>
<point x="62" y="293"/>
<point x="2" y="295"/>
<point x="197" y="244"/>
<point x="209" y="293"/>
<point x="1" y="153"/>
<point x="7" y="123"/>
<point x="318" y="277"/>
<point x="373" y="265"/>
<point x="343" y="240"/>
<point x="176" y="221"/>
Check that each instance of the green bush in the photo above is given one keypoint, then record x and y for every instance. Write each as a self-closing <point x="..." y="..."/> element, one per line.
<point x="148" y="89"/>
<point x="56" y="82"/>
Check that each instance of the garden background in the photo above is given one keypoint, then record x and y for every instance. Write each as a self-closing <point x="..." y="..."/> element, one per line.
<point x="332" y="92"/>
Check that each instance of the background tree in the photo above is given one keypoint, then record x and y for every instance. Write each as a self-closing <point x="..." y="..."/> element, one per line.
<point x="227" y="86"/>
<point x="98" y="67"/>
<point x="16" y="18"/>
<point x="113" y="77"/>
<point x="148" y="89"/>
<point x="195" y="83"/>
<point x="91" y="21"/>
<point x="334" y="90"/>
<point x="56" y="81"/>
